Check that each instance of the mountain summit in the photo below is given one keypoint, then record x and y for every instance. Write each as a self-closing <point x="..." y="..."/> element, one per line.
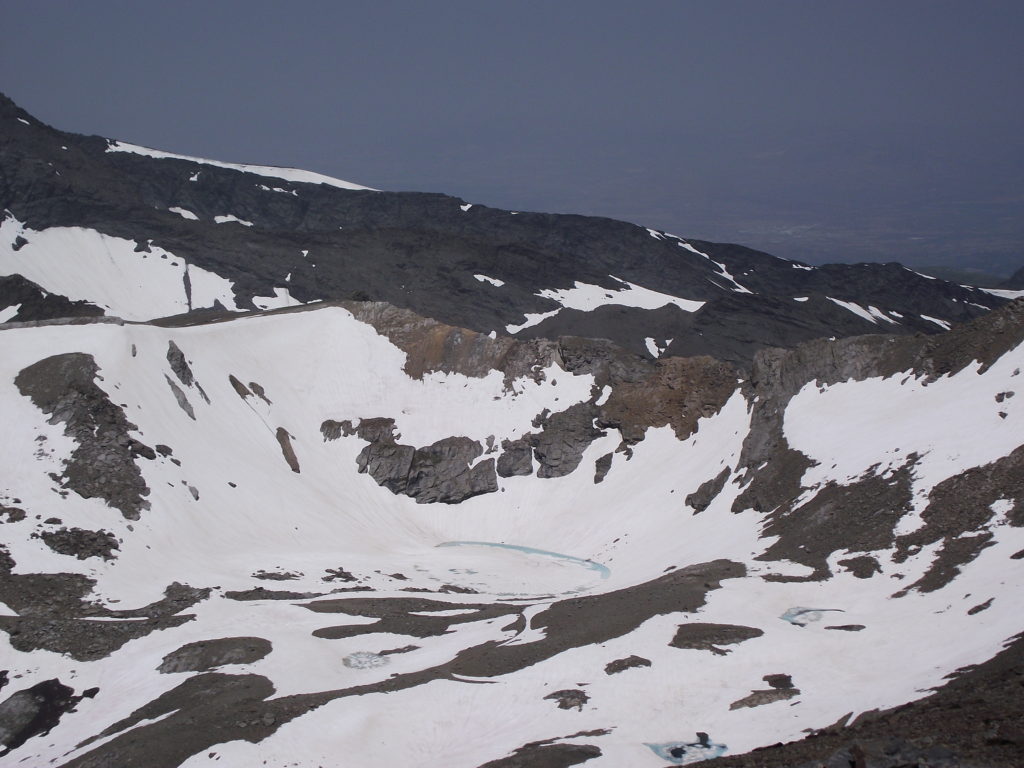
<point x="302" y="473"/>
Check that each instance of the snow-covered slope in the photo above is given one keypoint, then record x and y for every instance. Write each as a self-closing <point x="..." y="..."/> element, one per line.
<point x="650" y="561"/>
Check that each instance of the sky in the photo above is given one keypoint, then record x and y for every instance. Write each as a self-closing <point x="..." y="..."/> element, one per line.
<point x="814" y="129"/>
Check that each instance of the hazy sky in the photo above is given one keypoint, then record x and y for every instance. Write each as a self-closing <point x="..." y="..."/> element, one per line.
<point x="815" y="129"/>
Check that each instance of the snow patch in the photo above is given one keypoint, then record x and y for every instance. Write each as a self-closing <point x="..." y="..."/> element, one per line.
<point x="287" y="174"/>
<point x="492" y="280"/>
<point x="184" y="213"/>
<point x="1002" y="293"/>
<point x="86" y="265"/>
<point x="228" y="218"/>
<point x="586" y="297"/>
<point x="656" y="349"/>
<point x="871" y="314"/>
<point x="722" y="270"/>
<point x="941" y="323"/>
<point x="532" y="319"/>
<point x="281" y="298"/>
<point x="265" y="188"/>
<point x="9" y="312"/>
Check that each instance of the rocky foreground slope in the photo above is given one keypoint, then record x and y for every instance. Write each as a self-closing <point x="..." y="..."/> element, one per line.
<point x="300" y="476"/>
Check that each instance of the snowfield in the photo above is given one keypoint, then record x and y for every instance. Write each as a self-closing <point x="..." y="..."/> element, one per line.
<point x="226" y="507"/>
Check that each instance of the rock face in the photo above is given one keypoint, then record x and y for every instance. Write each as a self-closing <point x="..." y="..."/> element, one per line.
<point x="440" y="472"/>
<point x="103" y="464"/>
<point x="468" y="266"/>
<point x="35" y="304"/>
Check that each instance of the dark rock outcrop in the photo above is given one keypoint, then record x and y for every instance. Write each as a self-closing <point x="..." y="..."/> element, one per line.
<point x="204" y="655"/>
<point x="103" y="463"/>
<point x="81" y="543"/>
<point x="708" y="637"/>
